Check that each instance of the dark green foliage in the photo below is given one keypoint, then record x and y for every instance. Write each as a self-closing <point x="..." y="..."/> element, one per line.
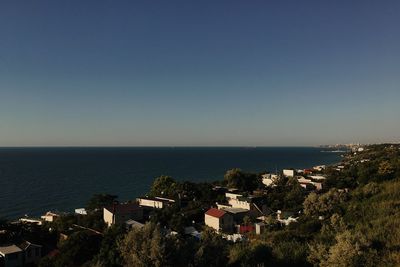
<point x="164" y="186"/>
<point x="99" y="201"/>
<point x="247" y="255"/>
<point x="246" y="182"/>
<point x="79" y="248"/>
<point x="109" y="255"/>
<point x="287" y="195"/>
<point x="212" y="251"/>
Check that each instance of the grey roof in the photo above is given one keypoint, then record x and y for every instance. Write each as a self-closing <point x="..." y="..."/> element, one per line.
<point x="134" y="223"/>
<point x="9" y="249"/>
<point x="235" y="210"/>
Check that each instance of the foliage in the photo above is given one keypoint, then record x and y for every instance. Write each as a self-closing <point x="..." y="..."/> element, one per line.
<point x="163" y="186"/>
<point x="247" y="182"/>
<point x="248" y="254"/>
<point x="79" y="248"/>
<point x="325" y="204"/>
<point x="212" y="251"/>
<point x="99" y="201"/>
<point x="109" y="255"/>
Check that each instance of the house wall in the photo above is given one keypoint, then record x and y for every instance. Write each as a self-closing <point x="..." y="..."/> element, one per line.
<point x="235" y="203"/>
<point x="232" y="195"/>
<point x="226" y="223"/>
<point x="288" y="173"/>
<point x="33" y="254"/>
<point x="211" y="221"/>
<point x="107" y="217"/>
<point x="121" y="217"/>
<point x="151" y="203"/>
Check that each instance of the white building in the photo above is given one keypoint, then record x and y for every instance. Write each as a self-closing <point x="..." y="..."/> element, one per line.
<point x="120" y="213"/>
<point x="156" y="203"/>
<point x="269" y="179"/>
<point x="219" y="220"/>
<point x="288" y="173"/>
<point x="50" y="216"/>
<point x="304" y="182"/>
<point x="319" y="167"/>
<point x="81" y="211"/>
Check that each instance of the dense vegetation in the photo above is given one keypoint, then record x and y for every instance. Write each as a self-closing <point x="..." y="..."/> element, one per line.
<point x="353" y="221"/>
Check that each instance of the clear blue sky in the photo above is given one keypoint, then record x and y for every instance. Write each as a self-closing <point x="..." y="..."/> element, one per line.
<point x="199" y="72"/>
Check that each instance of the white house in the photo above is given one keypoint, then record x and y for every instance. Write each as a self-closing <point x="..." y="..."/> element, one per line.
<point x="269" y="179"/>
<point x="304" y="182"/>
<point x="317" y="177"/>
<point x="319" y="167"/>
<point x="156" y="203"/>
<point x="288" y="173"/>
<point x="120" y="213"/>
<point x="31" y="220"/>
<point x="50" y="216"/>
<point x="219" y="220"/>
<point x="81" y="211"/>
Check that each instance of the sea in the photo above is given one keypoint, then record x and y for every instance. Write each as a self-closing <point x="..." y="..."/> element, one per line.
<point x="36" y="180"/>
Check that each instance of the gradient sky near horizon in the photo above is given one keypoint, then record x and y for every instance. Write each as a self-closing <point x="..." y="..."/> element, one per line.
<point x="193" y="73"/>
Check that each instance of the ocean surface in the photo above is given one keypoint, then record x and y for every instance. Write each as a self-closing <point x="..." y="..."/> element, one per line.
<point x="35" y="180"/>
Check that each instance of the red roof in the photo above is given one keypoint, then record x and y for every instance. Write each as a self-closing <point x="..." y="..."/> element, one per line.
<point x="215" y="212"/>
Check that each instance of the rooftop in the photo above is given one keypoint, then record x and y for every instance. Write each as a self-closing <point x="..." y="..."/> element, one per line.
<point x="9" y="249"/>
<point x="215" y="212"/>
<point x="235" y="210"/>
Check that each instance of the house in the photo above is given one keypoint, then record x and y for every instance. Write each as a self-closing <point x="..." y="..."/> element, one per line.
<point x="319" y="167"/>
<point x="304" y="182"/>
<point x="269" y="179"/>
<point x="253" y="204"/>
<point x="288" y="172"/>
<point x="32" y="253"/>
<point x="81" y="211"/>
<point x="219" y="220"/>
<point x="50" y="216"/>
<point x="31" y="220"/>
<point x="317" y="177"/>
<point x="155" y="203"/>
<point x="11" y="256"/>
<point x="120" y="213"/>
<point x="237" y="213"/>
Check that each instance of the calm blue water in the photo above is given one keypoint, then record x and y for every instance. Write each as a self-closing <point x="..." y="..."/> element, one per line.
<point x="34" y="180"/>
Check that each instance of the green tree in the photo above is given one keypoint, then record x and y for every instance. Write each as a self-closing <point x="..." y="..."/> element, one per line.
<point x="213" y="250"/>
<point x="99" y="201"/>
<point x="164" y="186"/>
<point x="147" y="247"/>
<point x="351" y="250"/>
<point x="250" y="254"/>
<point x="109" y="255"/>
<point x="325" y="204"/>
<point x="236" y="178"/>
<point x="79" y="248"/>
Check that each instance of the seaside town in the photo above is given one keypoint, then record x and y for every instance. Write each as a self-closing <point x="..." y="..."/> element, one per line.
<point x="293" y="217"/>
